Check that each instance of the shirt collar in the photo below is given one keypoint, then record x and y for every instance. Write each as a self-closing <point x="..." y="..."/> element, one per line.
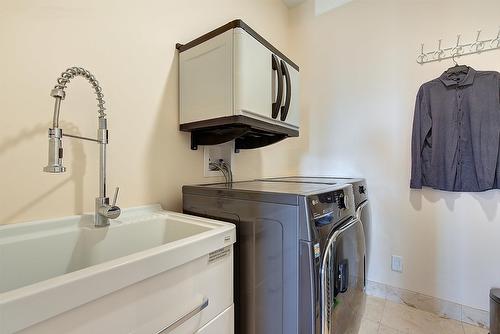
<point x="467" y="80"/>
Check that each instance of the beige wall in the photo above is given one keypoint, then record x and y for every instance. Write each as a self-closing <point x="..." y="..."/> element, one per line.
<point x="359" y="82"/>
<point x="130" y="47"/>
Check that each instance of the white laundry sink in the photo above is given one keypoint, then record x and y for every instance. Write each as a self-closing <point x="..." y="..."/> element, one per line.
<point x="54" y="266"/>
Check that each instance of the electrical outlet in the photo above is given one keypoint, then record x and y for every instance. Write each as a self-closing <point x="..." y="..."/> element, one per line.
<point x="397" y="263"/>
<point x="215" y="153"/>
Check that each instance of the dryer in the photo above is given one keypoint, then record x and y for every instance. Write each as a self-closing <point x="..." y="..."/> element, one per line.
<point x="361" y="202"/>
<point x="299" y="254"/>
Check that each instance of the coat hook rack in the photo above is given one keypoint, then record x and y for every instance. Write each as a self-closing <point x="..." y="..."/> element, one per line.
<point x="460" y="49"/>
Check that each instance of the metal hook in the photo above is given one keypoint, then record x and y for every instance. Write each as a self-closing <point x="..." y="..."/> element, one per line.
<point x="496" y="40"/>
<point x="458" y="48"/>
<point x="422" y="58"/>
<point x="439" y="53"/>
<point x="453" y="58"/>
<point x="478" y="45"/>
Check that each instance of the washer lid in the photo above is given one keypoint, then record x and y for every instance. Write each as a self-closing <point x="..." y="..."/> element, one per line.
<point x="495" y="295"/>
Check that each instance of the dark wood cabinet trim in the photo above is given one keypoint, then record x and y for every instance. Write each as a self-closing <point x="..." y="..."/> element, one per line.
<point x="234" y="121"/>
<point x="232" y="25"/>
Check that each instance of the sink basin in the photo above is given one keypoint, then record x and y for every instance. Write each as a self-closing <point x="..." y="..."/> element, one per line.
<point x="69" y="262"/>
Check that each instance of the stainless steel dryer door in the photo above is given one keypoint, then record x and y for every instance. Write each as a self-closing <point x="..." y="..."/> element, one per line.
<point x="343" y="280"/>
<point x="363" y="214"/>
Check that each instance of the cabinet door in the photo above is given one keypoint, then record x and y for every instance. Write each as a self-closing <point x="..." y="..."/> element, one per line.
<point x="222" y="324"/>
<point x="264" y="83"/>
<point x="206" y="80"/>
<point x="291" y="91"/>
<point x="253" y="77"/>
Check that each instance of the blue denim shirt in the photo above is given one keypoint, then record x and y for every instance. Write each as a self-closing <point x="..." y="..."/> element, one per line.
<point x="456" y="133"/>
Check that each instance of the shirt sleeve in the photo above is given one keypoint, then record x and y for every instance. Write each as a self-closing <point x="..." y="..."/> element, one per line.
<point x="422" y="124"/>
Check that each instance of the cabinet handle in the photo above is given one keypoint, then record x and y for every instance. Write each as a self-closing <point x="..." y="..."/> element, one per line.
<point x="276" y="105"/>
<point x="286" y="107"/>
<point x="184" y="318"/>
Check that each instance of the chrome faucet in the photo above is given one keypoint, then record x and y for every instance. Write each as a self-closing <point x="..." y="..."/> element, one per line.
<point x="103" y="210"/>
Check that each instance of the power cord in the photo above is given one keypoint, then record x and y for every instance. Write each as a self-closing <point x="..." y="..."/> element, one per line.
<point x="228" y="170"/>
<point x="224" y="168"/>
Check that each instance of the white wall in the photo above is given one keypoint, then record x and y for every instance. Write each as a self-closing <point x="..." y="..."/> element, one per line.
<point x="359" y="82"/>
<point x="130" y="47"/>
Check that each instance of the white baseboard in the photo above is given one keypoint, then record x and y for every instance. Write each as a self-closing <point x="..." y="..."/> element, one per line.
<point x="440" y="307"/>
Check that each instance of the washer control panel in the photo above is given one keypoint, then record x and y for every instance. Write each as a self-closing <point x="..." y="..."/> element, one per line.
<point x="331" y="207"/>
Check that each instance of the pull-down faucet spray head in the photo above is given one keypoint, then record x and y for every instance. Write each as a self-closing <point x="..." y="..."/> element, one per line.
<point x="55" y="164"/>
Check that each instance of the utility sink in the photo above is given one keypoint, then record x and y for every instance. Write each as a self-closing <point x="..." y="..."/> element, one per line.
<point x="53" y="266"/>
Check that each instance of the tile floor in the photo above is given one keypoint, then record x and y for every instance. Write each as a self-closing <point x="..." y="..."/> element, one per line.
<point x="386" y="317"/>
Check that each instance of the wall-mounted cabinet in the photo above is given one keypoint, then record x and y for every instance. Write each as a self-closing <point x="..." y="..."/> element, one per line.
<point x="236" y="85"/>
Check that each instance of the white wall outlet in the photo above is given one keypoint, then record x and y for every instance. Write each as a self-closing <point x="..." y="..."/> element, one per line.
<point x="397" y="263"/>
<point x="214" y="153"/>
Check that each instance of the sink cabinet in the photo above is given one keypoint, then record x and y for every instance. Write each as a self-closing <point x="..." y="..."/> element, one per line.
<point x="151" y="271"/>
<point x="153" y="304"/>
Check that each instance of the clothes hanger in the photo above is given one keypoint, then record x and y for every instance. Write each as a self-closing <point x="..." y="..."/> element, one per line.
<point x="457" y="69"/>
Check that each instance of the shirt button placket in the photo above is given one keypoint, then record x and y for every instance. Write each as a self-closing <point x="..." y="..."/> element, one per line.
<point x="460" y="118"/>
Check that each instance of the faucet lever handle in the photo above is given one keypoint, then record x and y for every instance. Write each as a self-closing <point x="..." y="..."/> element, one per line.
<point x="115" y="196"/>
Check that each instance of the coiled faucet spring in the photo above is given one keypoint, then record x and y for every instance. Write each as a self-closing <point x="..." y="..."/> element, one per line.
<point x="66" y="77"/>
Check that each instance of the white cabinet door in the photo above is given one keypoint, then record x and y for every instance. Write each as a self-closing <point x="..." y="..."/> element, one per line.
<point x="263" y="82"/>
<point x="206" y="80"/>
<point x="293" y="115"/>
<point x="222" y="324"/>
<point x="253" y="77"/>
